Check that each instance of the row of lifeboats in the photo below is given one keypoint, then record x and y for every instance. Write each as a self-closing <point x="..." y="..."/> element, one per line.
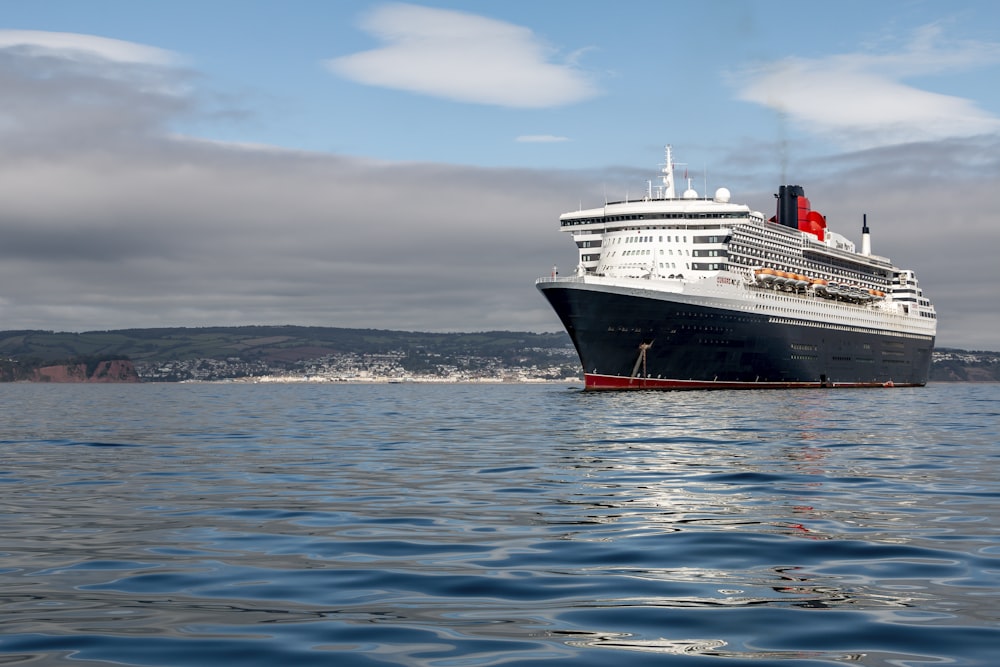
<point x="848" y="292"/>
<point x="796" y="282"/>
<point x="782" y="279"/>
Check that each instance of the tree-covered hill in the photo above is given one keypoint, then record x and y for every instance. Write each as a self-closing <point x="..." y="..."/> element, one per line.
<point x="275" y="346"/>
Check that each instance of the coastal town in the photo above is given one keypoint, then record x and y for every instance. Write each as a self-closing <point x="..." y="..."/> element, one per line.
<point x="386" y="367"/>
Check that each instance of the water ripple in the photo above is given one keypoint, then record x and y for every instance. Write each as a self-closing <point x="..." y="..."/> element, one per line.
<point x="467" y="526"/>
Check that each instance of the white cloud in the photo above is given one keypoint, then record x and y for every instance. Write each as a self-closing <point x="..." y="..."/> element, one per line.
<point x="463" y="57"/>
<point x="540" y="139"/>
<point x="860" y="100"/>
<point x="72" y="45"/>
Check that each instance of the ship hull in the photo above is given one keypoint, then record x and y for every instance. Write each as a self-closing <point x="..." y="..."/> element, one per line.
<point x="631" y="341"/>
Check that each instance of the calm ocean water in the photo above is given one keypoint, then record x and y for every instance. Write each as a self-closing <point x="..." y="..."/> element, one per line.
<point x="470" y="525"/>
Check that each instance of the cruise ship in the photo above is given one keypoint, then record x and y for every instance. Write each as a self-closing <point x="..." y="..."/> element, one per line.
<point x="696" y="292"/>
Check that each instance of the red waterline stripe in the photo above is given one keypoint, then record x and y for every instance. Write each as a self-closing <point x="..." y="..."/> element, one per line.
<point x="615" y="382"/>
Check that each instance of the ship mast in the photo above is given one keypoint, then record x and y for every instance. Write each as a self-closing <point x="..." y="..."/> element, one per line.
<point x="668" y="176"/>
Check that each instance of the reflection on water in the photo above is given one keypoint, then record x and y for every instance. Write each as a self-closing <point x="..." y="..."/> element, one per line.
<point x="464" y="525"/>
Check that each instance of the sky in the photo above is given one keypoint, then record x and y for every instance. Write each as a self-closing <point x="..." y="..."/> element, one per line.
<point x="404" y="165"/>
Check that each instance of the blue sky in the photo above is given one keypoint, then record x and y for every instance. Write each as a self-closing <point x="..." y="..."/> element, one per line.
<point x="637" y="74"/>
<point x="278" y="124"/>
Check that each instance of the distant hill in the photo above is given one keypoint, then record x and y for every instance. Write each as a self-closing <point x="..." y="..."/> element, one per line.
<point x="273" y="348"/>
<point x="272" y="343"/>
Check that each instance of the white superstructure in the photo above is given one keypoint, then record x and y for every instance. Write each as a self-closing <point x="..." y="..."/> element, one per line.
<point x="698" y="248"/>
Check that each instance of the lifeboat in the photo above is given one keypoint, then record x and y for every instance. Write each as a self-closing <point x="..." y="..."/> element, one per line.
<point x="781" y="279"/>
<point x="857" y="294"/>
<point x="765" y="275"/>
<point x="819" y="286"/>
<point x="801" y="281"/>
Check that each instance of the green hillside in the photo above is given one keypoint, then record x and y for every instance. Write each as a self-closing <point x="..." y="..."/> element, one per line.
<point x="276" y="344"/>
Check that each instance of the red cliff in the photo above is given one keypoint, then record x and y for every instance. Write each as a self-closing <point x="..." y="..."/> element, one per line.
<point x="118" y="370"/>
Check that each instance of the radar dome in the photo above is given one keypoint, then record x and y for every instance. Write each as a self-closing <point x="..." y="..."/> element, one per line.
<point x="722" y="195"/>
<point x="690" y="194"/>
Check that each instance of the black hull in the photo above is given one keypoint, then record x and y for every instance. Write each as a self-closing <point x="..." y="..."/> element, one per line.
<point x="632" y="342"/>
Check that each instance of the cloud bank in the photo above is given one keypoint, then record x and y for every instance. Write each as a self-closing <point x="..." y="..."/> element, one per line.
<point x="109" y="220"/>
<point x="462" y="57"/>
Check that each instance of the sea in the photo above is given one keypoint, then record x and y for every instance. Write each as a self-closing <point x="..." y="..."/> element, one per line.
<point x="471" y="525"/>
